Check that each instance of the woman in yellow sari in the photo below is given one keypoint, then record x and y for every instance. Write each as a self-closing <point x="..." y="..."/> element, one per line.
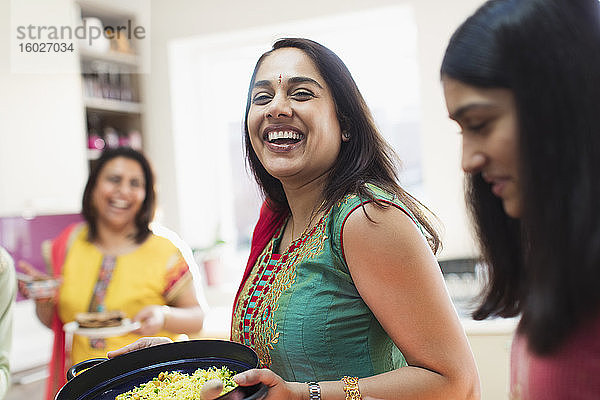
<point x="113" y="261"/>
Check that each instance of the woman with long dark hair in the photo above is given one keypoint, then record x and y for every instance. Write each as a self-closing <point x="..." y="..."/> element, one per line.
<point x="342" y="296"/>
<point x="114" y="262"/>
<point x="344" y="291"/>
<point x="522" y="79"/>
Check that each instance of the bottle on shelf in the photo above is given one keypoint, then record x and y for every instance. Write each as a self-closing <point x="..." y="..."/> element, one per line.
<point x="111" y="137"/>
<point x="126" y="88"/>
<point x="135" y="139"/>
<point x="114" y="83"/>
<point x="99" y="44"/>
<point x="95" y="142"/>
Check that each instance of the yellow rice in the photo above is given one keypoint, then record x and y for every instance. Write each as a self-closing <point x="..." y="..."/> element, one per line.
<point x="179" y="386"/>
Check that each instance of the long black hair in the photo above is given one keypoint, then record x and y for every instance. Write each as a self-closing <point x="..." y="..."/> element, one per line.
<point x="366" y="158"/>
<point x="148" y="208"/>
<point x="546" y="264"/>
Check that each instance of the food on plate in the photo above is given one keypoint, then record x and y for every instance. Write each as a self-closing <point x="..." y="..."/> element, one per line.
<point x="102" y="319"/>
<point x="180" y="386"/>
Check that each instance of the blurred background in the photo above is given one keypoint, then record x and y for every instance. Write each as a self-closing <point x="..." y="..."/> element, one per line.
<point x="177" y="90"/>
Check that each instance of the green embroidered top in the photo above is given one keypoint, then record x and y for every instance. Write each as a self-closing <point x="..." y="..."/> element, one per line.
<point x="301" y="312"/>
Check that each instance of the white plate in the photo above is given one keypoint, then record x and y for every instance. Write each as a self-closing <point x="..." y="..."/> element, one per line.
<point x="101" y="333"/>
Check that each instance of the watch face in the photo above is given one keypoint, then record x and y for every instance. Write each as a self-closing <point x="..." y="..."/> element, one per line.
<point x="314" y="391"/>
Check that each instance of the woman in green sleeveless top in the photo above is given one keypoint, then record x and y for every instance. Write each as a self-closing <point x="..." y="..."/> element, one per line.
<point x="345" y="292"/>
<point x="342" y="296"/>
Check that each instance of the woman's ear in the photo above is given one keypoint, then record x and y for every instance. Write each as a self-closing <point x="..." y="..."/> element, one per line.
<point x="345" y="127"/>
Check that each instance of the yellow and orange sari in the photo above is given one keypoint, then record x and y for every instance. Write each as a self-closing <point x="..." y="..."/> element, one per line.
<point x="153" y="274"/>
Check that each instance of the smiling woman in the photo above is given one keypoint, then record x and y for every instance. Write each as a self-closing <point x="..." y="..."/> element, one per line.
<point x="342" y="261"/>
<point x="117" y="197"/>
<point x="342" y="295"/>
<point x="292" y="121"/>
<point x="113" y="262"/>
<point x="490" y="138"/>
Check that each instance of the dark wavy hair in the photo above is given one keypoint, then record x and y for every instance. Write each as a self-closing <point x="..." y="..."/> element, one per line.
<point x="366" y="158"/>
<point x="146" y="213"/>
<point x="546" y="264"/>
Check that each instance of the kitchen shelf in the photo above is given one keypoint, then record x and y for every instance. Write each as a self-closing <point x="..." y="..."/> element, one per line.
<point x="110" y="57"/>
<point x="93" y="154"/>
<point x="110" y="105"/>
<point x="112" y="101"/>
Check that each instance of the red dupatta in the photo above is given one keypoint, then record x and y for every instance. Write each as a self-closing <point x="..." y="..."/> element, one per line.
<point x="57" y="377"/>
<point x="269" y="221"/>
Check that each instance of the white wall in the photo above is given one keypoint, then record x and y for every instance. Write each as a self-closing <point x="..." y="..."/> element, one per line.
<point x="42" y="147"/>
<point x="441" y="143"/>
<point x="436" y="21"/>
